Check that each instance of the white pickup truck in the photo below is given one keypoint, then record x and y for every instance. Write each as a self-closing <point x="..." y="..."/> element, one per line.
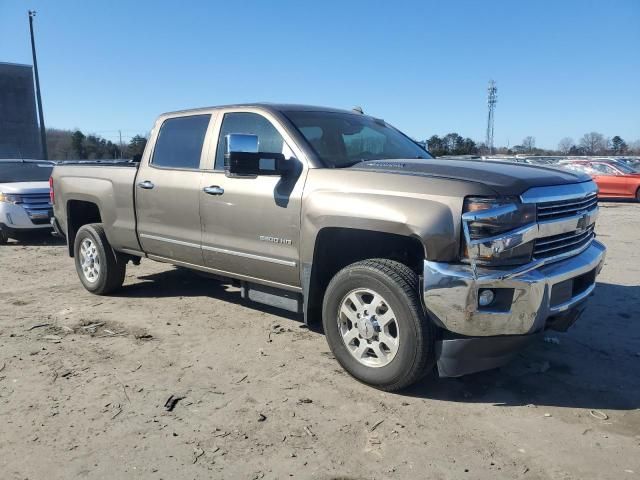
<point x="25" y="205"/>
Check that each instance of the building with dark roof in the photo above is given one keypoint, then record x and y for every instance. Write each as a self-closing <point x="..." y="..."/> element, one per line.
<point x="19" y="134"/>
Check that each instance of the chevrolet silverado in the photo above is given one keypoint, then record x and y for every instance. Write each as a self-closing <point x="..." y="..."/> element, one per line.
<point x="407" y="261"/>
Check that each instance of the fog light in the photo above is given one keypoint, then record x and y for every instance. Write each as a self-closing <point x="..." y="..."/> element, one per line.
<point x="485" y="297"/>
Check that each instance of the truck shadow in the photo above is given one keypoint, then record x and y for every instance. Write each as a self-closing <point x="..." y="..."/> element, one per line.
<point x="34" y="239"/>
<point x="181" y="282"/>
<point x="594" y="365"/>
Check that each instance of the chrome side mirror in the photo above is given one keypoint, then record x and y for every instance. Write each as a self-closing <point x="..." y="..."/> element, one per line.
<point x="242" y="157"/>
<point x="241" y="142"/>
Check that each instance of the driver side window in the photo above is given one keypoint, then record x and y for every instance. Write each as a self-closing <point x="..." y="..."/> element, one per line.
<point x="269" y="139"/>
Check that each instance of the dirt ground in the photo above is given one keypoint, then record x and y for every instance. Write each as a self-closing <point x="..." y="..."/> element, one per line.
<point x="84" y="381"/>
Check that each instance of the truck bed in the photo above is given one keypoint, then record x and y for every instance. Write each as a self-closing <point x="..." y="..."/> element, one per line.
<point x="110" y="187"/>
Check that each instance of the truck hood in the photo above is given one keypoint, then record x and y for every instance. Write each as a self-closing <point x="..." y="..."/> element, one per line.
<point x="504" y="178"/>
<point x="24" y="187"/>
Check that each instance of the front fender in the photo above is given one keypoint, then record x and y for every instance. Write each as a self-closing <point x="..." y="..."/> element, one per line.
<point x="430" y="221"/>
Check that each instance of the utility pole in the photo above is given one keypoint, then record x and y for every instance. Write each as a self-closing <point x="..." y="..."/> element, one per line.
<point x="492" y="99"/>
<point x="120" y="133"/>
<point x="43" y="133"/>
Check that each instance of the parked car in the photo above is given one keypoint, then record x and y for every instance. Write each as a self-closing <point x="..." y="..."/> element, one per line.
<point x="24" y="197"/>
<point x="614" y="179"/>
<point x="545" y="161"/>
<point x="407" y="261"/>
<point x="632" y="162"/>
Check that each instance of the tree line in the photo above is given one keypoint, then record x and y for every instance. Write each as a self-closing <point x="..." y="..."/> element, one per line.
<point x="451" y="144"/>
<point x="592" y="143"/>
<point x="76" y="145"/>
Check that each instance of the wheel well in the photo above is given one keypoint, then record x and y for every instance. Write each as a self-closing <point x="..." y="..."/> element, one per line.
<point x="80" y="213"/>
<point x="336" y="248"/>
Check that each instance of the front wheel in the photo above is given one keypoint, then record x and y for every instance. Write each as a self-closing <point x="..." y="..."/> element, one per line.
<point x="100" y="270"/>
<point x="375" y="324"/>
<point x="4" y="238"/>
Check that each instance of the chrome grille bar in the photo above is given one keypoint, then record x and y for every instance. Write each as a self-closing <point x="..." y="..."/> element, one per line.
<point x="564" y="209"/>
<point x="575" y="242"/>
<point x="546" y="241"/>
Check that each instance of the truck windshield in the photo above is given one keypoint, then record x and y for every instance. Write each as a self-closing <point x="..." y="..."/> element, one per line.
<point x="344" y="139"/>
<point x="11" y="172"/>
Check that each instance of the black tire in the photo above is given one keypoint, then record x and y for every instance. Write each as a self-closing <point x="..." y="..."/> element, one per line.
<point x="4" y="238"/>
<point x="398" y="285"/>
<point x="112" y="268"/>
<point x="638" y="195"/>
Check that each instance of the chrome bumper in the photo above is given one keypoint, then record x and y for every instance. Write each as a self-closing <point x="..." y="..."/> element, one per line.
<point x="451" y="293"/>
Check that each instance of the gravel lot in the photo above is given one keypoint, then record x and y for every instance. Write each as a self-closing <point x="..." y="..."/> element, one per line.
<point x="84" y="381"/>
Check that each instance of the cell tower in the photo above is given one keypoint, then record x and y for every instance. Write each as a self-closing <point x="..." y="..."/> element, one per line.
<point x="492" y="99"/>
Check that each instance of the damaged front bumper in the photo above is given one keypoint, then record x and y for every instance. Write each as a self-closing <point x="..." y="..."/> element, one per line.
<point x="527" y="300"/>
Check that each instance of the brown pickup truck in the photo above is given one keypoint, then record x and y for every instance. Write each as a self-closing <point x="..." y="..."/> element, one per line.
<point x="407" y="261"/>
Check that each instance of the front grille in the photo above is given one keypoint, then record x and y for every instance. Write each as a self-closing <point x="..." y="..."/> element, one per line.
<point x="38" y="207"/>
<point x="35" y="201"/>
<point x="560" y="244"/>
<point x="566" y="208"/>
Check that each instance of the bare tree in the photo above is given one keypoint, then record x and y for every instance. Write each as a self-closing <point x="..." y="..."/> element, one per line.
<point x="593" y="143"/>
<point x="529" y="143"/>
<point x="565" y="144"/>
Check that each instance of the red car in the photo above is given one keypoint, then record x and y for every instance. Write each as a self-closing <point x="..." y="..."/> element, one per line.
<point x="614" y="179"/>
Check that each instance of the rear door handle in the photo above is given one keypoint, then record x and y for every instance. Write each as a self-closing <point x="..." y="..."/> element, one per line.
<point x="213" y="190"/>
<point x="147" y="185"/>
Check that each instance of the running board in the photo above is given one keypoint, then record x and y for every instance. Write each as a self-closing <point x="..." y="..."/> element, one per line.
<point x="274" y="297"/>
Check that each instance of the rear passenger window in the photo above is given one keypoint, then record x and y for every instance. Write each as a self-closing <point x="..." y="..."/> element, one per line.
<point x="179" y="142"/>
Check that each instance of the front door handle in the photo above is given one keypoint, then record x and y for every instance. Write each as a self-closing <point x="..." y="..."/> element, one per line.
<point x="213" y="190"/>
<point x="147" y="185"/>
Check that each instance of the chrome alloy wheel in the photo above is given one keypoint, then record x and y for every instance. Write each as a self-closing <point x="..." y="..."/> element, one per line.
<point x="368" y="327"/>
<point x="89" y="260"/>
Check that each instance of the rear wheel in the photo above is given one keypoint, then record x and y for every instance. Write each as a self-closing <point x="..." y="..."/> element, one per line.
<point x="375" y="325"/>
<point x="638" y="195"/>
<point x="4" y="238"/>
<point x="99" y="268"/>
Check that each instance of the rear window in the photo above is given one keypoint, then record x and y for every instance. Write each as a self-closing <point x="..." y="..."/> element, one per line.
<point x="180" y="141"/>
<point x="11" y="172"/>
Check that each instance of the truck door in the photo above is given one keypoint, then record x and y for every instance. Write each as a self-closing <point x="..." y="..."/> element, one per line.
<point x="167" y="191"/>
<point x="251" y="226"/>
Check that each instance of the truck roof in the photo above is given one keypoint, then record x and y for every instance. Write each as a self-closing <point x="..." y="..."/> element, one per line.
<point x="276" y="107"/>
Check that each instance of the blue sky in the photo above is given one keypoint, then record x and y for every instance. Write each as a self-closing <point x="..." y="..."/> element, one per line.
<point x="563" y="68"/>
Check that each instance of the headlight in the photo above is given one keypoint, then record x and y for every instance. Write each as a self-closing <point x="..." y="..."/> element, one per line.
<point x="10" y="198"/>
<point x="498" y="231"/>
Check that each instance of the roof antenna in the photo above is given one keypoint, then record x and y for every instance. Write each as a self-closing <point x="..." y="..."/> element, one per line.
<point x="358" y="109"/>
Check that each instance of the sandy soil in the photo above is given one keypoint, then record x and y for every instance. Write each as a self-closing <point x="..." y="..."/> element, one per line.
<point x="84" y="381"/>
